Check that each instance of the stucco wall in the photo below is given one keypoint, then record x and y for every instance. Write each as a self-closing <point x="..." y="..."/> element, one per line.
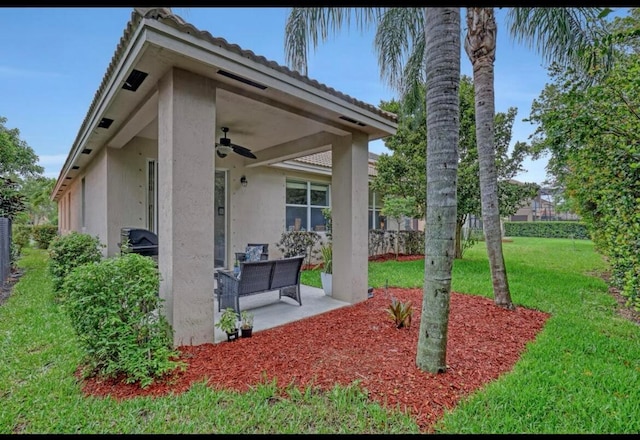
<point x="127" y="192"/>
<point x="95" y="176"/>
<point x="258" y="210"/>
<point x="95" y="199"/>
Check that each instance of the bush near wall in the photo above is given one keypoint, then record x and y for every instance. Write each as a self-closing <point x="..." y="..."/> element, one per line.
<point x="547" y="230"/>
<point x="43" y="234"/>
<point x="68" y="252"/>
<point x="117" y="316"/>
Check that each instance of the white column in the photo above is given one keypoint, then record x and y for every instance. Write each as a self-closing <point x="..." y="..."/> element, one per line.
<point x="349" y="200"/>
<point x="186" y="137"/>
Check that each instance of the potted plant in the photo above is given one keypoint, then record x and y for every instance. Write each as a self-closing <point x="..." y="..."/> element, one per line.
<point x="246" y="323"/>
<point x="228" y="323"/>
<point x="327" y="268"/>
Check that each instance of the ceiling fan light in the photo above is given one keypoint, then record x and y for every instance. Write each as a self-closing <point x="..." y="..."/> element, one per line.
<point x="224" y="149"/>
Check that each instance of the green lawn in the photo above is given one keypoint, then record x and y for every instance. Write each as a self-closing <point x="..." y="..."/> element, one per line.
<point x="581" y="375"/>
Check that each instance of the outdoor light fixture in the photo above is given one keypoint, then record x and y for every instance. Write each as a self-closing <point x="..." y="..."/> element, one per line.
<point x="244" y="181"/>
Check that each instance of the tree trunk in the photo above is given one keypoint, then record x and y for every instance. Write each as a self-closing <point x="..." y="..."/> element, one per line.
<point x="458" y="252"/>
<point x="442" y="57"/>
<point x="480" y="45"/>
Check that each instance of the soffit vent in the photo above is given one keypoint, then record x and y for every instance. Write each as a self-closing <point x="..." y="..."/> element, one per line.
<point x="105" y="123"/>
<point x="241" y="79"/>
<point x="134" y="80"/>
<point x="87" y="151"/>
<point x="353" y="121"/>
<point x="75" y="167"/>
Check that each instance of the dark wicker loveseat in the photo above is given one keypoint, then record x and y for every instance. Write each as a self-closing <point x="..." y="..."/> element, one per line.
<point x="257" y="277"/>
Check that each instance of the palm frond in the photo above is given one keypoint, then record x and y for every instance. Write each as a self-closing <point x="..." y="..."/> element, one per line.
<point x="567" y="36"/>
<point x="305" y="26"/>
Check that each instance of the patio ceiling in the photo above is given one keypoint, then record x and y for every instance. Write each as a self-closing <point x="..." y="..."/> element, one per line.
<point x="267" y="107"/>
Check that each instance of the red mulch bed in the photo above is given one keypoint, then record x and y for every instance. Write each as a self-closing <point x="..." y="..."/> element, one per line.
<point x="360" y="342"/>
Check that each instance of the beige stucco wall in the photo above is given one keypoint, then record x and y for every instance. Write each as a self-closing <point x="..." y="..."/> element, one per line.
<point x="70" y="204"/>
<point x="258" y="211"/>
<point x="127" y="192"/>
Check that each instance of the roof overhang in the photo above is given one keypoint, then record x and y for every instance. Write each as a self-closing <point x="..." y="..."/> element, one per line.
<point x="277" y="113"/>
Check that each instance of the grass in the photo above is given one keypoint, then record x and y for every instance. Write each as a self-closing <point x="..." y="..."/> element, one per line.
<point x="581" y="375"/>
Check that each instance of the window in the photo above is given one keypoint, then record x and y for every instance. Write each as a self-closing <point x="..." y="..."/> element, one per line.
<point x="304" y="204"/>
<point x="376" y="220"/>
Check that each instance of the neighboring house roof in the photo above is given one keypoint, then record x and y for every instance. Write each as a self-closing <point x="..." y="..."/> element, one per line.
<point x="323" y="160"/>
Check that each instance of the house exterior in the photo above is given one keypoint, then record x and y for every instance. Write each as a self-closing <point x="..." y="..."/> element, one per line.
<point x="145" y="157"/>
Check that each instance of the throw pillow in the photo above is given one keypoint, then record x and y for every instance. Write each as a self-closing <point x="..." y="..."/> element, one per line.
<point x="253" y="253"/>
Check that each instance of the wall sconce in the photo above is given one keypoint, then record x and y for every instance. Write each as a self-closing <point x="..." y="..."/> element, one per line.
<point x="243" y="181"/>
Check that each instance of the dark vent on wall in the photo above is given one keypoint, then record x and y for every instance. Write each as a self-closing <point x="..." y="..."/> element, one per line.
<point x="105" y="123"/>
<point x="75" y="167"/>
<point x="87" y="151"/>
<point x="241" y="79"/>
<point x="134" y="80"/>
<point x="68" y="178"/>
<point x="353" y="121"/>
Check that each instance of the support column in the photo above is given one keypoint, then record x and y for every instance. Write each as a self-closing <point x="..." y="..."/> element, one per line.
<point x="349" y="201"/>
<point x="186" y="137"/>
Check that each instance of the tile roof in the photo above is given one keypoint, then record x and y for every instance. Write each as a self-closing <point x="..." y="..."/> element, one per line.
<point x="324" y="160"/>
<point x="166" y="16"/>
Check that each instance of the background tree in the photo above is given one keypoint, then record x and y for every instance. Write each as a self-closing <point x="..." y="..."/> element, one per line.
<point x="39" y="206"/>
<point x="398" y="208"/>
<point x="402" y="172"/>
<point x="592" y="132"/>
<point x="16" y="157"/>
<point x="17" y="161"/>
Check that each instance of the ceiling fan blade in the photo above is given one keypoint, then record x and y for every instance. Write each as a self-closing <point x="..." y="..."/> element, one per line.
<point x="242" y="151"/>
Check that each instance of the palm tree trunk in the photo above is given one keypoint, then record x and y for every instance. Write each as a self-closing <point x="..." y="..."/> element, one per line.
<point x="442" y="56"/>
<point x="480" y="46"/>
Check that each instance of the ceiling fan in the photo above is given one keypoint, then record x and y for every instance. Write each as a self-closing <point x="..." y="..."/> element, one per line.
<point x="225" y="147"/>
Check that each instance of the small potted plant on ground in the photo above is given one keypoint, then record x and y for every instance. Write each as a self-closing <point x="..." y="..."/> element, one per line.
<point x="246" y="323"/>
<point x="228" y="323"/>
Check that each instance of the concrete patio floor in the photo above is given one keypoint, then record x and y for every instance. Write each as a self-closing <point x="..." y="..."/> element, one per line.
<point x="270" y="311"/>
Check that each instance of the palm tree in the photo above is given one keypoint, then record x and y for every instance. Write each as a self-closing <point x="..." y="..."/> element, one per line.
<point x="480" y="45"/>
<point x="442" y="49"/>
<point x="563" y="34"/>
<point x="441" y="39"/>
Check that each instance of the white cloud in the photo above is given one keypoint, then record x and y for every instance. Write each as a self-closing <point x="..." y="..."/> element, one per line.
<point x="7" y="71"/>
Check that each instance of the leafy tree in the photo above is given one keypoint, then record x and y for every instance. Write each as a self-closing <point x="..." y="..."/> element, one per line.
<point x="397" y="208"/>
<point x="16" y="157"/>
<point x="591" y="131"/>
<point x="402" y="172"/>
<point x="17" y="160"/>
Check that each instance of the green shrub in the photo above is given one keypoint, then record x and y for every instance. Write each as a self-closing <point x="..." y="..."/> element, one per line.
<point x="43" y="234"/>
<point x="67" y="252"/>
<point x="556" y="229"/>
<point x="20" y="235"/>
<point x="116" y="313"/>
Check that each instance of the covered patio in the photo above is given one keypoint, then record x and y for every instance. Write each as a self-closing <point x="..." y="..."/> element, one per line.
<point x="145" y="156"/>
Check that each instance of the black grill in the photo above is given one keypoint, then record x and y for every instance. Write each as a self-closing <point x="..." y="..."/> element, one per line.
<point x="139" y="241"/>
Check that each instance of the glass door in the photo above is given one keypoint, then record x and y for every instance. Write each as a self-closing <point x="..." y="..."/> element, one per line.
<point x="220" y="220"/>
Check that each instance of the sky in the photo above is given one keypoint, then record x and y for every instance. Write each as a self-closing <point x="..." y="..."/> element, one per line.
<point x="53" y="61"/>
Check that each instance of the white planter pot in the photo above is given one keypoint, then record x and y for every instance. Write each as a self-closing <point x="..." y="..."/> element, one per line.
<point x="325" y="278"/>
